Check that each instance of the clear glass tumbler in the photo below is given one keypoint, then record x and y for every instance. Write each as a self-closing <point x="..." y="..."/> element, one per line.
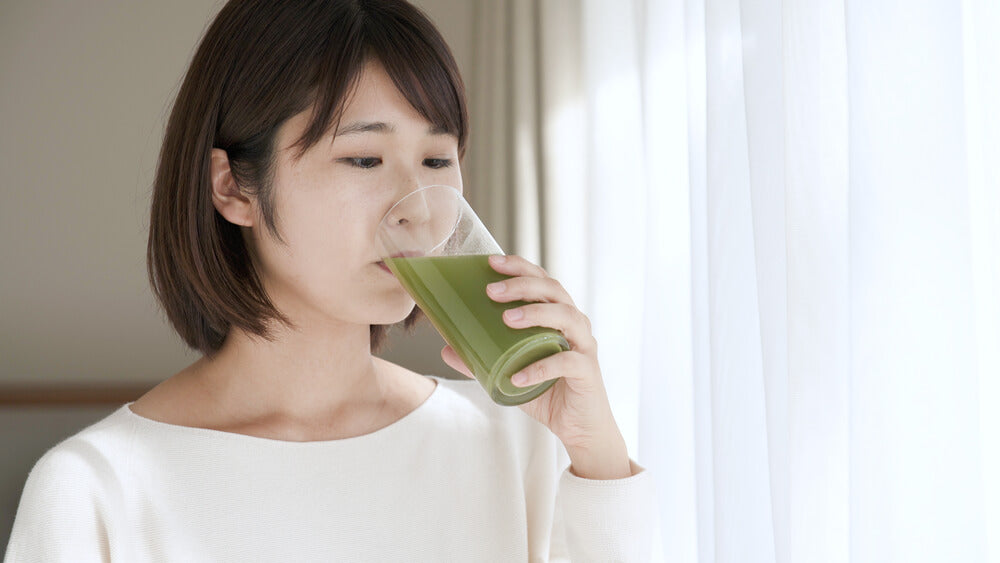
<point x="437" y="247"/>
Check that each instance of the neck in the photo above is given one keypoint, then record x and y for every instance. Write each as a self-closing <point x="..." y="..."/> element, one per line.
<point x="300" y="373"/>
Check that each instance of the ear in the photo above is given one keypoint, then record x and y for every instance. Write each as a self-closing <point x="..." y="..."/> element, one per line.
<point x="229" y="201"/>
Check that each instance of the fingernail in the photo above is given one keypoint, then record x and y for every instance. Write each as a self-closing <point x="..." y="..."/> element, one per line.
<point x="497" y="288"/>
<point x="498" y="258"/>
<point x="514" y="314"/>
<point x="519" y="379"/>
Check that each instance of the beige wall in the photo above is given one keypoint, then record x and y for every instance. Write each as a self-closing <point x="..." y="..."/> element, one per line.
<point x="85" y="88"/>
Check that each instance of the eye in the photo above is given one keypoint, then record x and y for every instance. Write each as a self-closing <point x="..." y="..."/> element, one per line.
<point x="437" y="162"/>
<point x="364" y="162"/>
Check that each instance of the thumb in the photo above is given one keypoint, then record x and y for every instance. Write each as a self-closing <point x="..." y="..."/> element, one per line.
<point x="451" y="358"/>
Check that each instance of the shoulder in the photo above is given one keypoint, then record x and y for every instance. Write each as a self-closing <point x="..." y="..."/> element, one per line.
<point x="91" y="454"/>
<point x="87" y="465"/>
<point x="68" y="497"/>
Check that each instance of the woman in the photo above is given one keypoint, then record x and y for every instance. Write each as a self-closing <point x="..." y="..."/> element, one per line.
<point x="299" y="123"/>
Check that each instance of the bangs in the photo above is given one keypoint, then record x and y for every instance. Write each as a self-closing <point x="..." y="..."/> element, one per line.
<point x="414" y="56"/>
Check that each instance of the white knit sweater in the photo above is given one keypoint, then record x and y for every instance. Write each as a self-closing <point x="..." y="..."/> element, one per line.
<point x="457" y="479"/>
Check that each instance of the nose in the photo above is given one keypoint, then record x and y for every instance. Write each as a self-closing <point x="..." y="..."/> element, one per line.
<point x="410" y="210"/>
<point x="422" y="221"/>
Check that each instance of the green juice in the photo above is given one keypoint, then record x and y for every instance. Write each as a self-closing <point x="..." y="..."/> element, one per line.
<point x="451" y="290"/>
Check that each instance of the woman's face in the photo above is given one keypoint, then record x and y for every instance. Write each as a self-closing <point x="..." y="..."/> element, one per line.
<point x="330" y="201"/>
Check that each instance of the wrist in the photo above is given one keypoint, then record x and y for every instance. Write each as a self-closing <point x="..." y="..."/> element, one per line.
<point x="601" y="461"/>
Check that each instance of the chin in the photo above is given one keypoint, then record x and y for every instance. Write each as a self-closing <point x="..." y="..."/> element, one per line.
<point x="392" y="314"/>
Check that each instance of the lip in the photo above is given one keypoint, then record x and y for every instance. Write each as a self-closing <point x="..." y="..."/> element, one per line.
<point x="408" y="254"/>
<point x="404" y="254"/>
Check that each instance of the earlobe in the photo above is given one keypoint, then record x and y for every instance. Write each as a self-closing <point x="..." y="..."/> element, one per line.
<point x="229" y="201"/>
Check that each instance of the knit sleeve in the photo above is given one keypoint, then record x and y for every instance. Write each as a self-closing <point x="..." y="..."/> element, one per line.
<point x="598" y="520"/>
<point x="61" y="513"/>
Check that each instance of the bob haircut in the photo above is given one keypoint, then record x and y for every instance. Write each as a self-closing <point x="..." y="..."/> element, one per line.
<point x="260" y="63"/>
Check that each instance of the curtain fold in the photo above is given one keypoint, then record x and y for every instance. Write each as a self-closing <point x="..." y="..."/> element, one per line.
<point x="915" y="455"/>
<point x="741" y="477"/>
<point x="764" y="101"/>
<point x="503" y="168"/>
<point x="818" y="258"/>
<point x="981" y="45"/>
<point x="667" y="338"/>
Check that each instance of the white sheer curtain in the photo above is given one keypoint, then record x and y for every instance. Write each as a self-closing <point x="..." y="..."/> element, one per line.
<point x="783" y="219"/>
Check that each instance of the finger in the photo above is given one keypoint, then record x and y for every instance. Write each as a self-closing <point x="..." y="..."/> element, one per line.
<point x="547" y="290"/>
<point x="515" y="265"/>
<point x="565" y="318"/>
<point x="568" y="365"/>
<point x="453" y="360"/>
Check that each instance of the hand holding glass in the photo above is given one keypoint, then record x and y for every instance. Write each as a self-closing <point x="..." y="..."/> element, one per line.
<point x="438" y="249"/>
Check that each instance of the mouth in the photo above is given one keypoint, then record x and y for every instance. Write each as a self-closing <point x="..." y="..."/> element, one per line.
<point x="404" y="254"/>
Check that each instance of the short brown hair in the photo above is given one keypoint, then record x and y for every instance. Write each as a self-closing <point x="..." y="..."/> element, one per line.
<point x="260" y="63"/>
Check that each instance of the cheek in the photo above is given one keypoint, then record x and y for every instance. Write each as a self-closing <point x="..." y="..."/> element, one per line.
<point x="454" y="178"/>
<point x="327" y="217"/>
<point x="330" y="228"/>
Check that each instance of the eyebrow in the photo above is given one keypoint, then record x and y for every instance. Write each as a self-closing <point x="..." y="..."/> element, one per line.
<point x="383" y="128"/>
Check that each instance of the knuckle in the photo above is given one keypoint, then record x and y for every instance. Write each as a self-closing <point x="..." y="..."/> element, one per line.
<point x="572" y="312"/>
<point x="513" y="285"/>
<point x="538" y="371"/>
<point x="521" y="285"/>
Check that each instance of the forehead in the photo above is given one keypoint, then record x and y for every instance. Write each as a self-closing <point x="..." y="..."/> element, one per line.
<point x="375" y="98"/>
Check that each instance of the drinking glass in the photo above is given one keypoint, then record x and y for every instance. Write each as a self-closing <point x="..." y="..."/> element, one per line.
<point x="437" y="247"/>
